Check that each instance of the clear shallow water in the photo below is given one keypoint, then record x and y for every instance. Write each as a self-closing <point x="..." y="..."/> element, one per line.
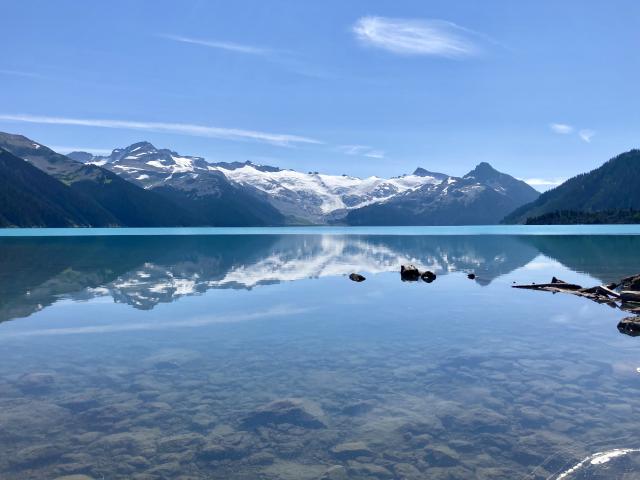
<point x="159" y="356"/>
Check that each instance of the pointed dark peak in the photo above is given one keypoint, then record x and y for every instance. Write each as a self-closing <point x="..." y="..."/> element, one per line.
<point x="141" y="146"/>
<point x="483" y="171"/>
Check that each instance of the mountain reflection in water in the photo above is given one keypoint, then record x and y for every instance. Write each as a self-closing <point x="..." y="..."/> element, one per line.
<point x="255" y="357"/>
<point x="145" y="271"/>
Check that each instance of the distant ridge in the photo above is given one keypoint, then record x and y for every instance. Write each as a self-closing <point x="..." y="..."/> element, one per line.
<point x="31" y="198"/>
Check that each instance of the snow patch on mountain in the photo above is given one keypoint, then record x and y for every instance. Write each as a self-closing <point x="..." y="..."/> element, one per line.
<point x="308" y="197"/>
<point x="316" y="195"/>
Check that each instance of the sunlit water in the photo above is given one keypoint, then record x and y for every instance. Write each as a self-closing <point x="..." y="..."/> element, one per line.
<point x="152" y="357"/>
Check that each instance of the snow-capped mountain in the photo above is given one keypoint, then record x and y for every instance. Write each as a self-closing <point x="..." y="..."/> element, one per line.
<point x="318" y="197"/>
<point x="315" y="197"/>
<point x="145" y="164"/>
<point x="482" y="197"/>
<point x="210" y="196"/>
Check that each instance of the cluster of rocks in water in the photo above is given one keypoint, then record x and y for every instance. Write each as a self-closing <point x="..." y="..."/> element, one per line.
<point x="409" y="273"/>
<point x="624" y="295"/>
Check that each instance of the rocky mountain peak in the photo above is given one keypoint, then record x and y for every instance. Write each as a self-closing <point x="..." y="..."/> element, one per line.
<point x="423" y="172"/>
<point x="482" y="172"/>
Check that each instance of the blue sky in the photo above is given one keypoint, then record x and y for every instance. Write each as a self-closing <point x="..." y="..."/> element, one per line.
<point x="541" y="90"/>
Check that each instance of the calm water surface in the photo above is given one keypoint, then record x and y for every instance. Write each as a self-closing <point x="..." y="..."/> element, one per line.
<point x="252" y="356"/>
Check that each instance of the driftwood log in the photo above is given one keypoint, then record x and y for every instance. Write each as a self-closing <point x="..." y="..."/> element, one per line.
<point x="627" y="299"/>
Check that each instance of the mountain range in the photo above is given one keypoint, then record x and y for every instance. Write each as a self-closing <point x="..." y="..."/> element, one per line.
<point x="144" y="186"/>
<point x="484" y="195"/>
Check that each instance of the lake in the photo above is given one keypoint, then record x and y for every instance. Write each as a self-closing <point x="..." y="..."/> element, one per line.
<point x="249" y="354"/>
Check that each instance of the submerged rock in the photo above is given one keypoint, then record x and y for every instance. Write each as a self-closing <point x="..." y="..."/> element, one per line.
<point x="409" y="273"/>
<point x="36" y="455"/>
<point x="178" y="443"/>
<point x="216" y="452"/>
<point x="293" y="411"/>
<point x="358" y="408"/>
<point x="74" y="477"/>
<point x="630" y="326"/>
<point x="335" y="472"/>
<point x="350" y="450"/>
<point x="441" y="456"/>
<point x="36" y="382"/>
<point x="261" y="458"/>
<point x="356" y="277"/>
<point x="369" y="470"/>
<point x="407" y="471"/>
<point x="170" y="359"/>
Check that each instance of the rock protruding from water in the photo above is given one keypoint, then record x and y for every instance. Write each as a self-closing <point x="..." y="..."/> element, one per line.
<point x="409" y="273"/>
<point x="630" y="296"/>
<point x="631" y="283"/>
<point x="356" y="277"/>
<point x="428" y="276"/>
<point x="630" y="326"/>
<point x="471" y="276"/>
<point x="292" y="411"/>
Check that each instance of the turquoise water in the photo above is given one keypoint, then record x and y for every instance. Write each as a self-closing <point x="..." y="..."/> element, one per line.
<point x="429" y="230"/>
<point x="253" y="356"/>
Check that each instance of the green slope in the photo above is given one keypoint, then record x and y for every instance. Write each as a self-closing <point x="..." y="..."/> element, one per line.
<point x="128" y="204"/>
<point x="31" y="198"/>
<point x="613" y="186"/>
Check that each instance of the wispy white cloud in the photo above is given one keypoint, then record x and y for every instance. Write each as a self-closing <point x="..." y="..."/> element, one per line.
<point x="19" y="73"/>
<point x="281" y="139"/>
<point x="361" y="150"/>
<point x="586" y="134"/>
<point x="561" y="128"/>
<point x="221" y="45"/>
<point x="416" y="37"/>
<point x="374" y="154"/>
<point x="286" y="59"/>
